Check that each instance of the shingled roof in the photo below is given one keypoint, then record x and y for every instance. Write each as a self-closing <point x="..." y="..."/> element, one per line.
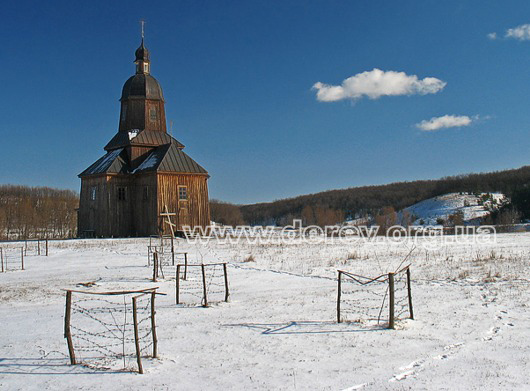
<point x="165" y="158"/>
<point x="147" y="138"/>
<point x="114" y="162"/>
<point x="170" y="158"/>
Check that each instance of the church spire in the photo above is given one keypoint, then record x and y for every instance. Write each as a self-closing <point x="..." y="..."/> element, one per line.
<point x="142" y="56"/>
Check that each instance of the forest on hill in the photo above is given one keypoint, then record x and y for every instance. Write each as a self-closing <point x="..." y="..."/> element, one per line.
<point x="37" y="212"/>
<point x="334" y="206"/>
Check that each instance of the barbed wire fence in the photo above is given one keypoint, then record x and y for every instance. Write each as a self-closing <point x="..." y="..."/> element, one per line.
<point x="111" y="330"/>
<point x="374" y="301"/>
<point x="36" y="247"/>
<point x="11" y="258"/>
<point x="163" y="264"/>
<point x="201" y="284"/>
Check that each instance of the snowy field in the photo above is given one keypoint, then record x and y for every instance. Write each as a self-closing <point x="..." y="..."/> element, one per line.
<point x="278" y="331"/>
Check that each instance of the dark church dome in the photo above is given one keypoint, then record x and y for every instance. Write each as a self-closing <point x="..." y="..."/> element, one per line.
<point x="142" y="54"/>
<point x="142" y="85"/>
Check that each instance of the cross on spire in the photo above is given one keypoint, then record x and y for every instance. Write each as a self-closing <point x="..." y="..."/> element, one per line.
<point x="142" y="22"/>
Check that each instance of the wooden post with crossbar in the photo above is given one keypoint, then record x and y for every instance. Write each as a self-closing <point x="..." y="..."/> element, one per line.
<point x="168" y="221"/>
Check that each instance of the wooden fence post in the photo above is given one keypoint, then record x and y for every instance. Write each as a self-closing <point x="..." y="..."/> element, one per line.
<point x="172" y="252"/>
<point x="227" y="293"/>
<point x="185" y="266"/>
<point x="2" y="258"/>
<point x="46" y="246"/>
<point x="177" y="285"/>
<point x="153" y="325"/>
<point x="391" y="300"/>
<point x="22" y="257"/>
<point x="204" y="286"/>
<point x="136" y="338"/>
<point x="149" y="254"/>
<point x="67" y="332"/>
<point x="155" y="266"/>
<point x="409" y="291"/>
<point x="339" y="288"/>
<point x="38" y="245"/>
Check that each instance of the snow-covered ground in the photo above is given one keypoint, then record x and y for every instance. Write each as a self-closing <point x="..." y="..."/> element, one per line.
<point x="427" y="212"/>
<point x="278" y="331"/>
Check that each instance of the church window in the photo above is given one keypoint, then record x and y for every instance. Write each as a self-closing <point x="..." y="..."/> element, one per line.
<point x="183" y="193"/>
<point x="93" y="193"/>
<point x="146" y="67"/>
<point x="121" y="193"/>
<point x="153" y="114"/>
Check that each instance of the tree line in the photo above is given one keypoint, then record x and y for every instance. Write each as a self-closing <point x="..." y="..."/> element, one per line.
<point x="37" y="212"/>
<point x="334" y="205"/>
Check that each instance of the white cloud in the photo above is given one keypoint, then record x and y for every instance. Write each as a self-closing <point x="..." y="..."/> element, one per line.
<point x="522" y="32"/>
<point x="377" y="83"/>
<point x="446" y="121"/>
<point x="492" y="36"/>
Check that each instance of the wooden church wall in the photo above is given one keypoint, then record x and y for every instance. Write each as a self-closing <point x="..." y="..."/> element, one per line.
<point x="145" y="206"/>
<point x="106" y="215"/>
<point x="195" y="211"/>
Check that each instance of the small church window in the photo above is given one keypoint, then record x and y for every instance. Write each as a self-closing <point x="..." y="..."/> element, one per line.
<point x="93" y="193"/>
<point x="183" y="193"/>
<point x="121" y="193"/>
<point x="145" y="195"/>
<point x="153" y="114"/>
<point x="146" y="67"/>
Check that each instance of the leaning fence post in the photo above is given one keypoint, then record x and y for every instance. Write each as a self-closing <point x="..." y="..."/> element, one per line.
<point x="409" y="291"/>
<point x="227" y="293"/>
<point x="391" y="300"/>
<point x="204" y="286"/>
<point x="136" y="338"/>
<point x="177" y="285"/>
<point x="339" y="283"/>
<point x="22" y="257"/>
<point x="67" y="332"/>
<point x="153" y="325"/>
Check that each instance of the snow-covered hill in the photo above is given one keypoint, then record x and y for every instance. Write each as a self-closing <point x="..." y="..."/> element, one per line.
<point x="473" y="207"/>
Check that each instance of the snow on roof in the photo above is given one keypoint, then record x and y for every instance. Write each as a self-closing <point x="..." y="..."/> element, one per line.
<point x="103" y="163"/>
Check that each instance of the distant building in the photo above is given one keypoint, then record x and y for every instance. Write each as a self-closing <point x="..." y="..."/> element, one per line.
<point x="144" y="170"/>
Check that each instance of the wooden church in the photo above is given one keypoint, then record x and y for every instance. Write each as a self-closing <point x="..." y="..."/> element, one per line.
<point x="144" y="172"/>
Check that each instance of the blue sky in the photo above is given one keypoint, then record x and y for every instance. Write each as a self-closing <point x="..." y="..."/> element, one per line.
<point x="238" y="76"/>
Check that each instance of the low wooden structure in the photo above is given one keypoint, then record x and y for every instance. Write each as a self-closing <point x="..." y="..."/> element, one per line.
<point x="144" y="170"/>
